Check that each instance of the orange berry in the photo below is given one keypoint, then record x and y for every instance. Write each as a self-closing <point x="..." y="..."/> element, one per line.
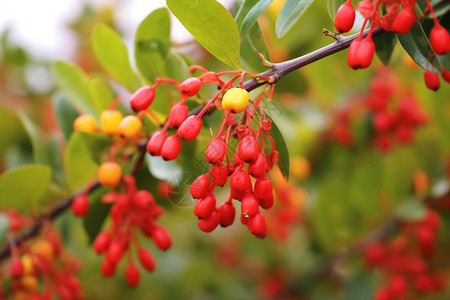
<point x="109" y="174"/>
<point x="85" y="123"/>
<point x="30" y="283"/>
<point x="110" y="120"/>
<point x="28" y="264"/>
<point x="300" y="167"/>
<point x="130" y="126"/>
<point x="44" y="250"/>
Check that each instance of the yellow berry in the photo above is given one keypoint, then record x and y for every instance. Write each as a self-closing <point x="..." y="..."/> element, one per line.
<point x="235" y="100"/>
<point x="109" y="174"/>
<point x="109" y="121"/>
<point x="28" y="264"/>
<point x="44" y="250"/>
<point x="86" y="123"/>
<point x="130" y="126"/>
<point x="30" y="283"/>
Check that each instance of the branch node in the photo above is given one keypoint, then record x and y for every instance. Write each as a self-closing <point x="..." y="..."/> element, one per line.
<point x="265" y="62"/>
<point x="327" y="32"/>
<point x="268" y="79"/>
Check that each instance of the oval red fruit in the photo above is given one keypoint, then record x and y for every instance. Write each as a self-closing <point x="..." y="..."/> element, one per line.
<point x="345" y="17"/>
<point x="178" y="114"/>
<point x="162" y="238"/>
<point x="190" y="87"/>
<point x="142" y="98"/>
<point x="171" y="148"/>
<point x="209" y="224"/>
<point x="190" y="128"/>
<point x="155" y="143"/>
<point x="200" y="186"/>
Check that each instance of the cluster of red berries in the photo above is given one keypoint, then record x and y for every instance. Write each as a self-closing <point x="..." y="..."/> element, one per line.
<point x="39" y="270"/>
<point x="394" y="113"/>
<point x="131" y="210"/>
<point x="398" y="16"/>
<point x="406" y="261"/>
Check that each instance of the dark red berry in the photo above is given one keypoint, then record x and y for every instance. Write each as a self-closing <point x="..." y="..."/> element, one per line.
<point x="200" y="186"/>
<point x="345" y="17"/>
<point x="240" y="181"/>
<point x="215" y="151"/>
<point x="80" y="205"/>
<point x="146" y="259"/>
<point x="155" y="143"/>
<point x="446" y="75"/>
<point x="16" y="267"/>
<point x="248" y="149"/>
<point x="264" y="192"/>
<point x="258" y="168"/>
<point x="219" y="174"/>
<point x="440" y="39"/>
<point x="257" y="225"/>
<point x="171" y="148"/>
<point x="142" y="98"/>
<point x="203" y="208"/>
<point x="162" y="238"/>
<point x="144" y="200"/>
<point x="227" y="213"/>
<point x="190" y="87"/>
<point x="178" y="114"/>
<point x="101" y="242"/>
<point x="431" y="80"/>
<point x="132" y="275"/>
<point x="249" y="205"/>
<point x="404" y="20"/>
<point x="209" y="224"/>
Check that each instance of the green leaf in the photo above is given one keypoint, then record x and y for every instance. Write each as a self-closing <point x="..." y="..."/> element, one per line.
<point x="113" y="55"/>
<point x="281" y="147"/>
<point x="65" y="114"/>
<point x="416" y="44"/>
<point x="151" y="44"/>
<point x="101" y="95"/>
<point x="252" y="44"/>
<point x="290" y="13"/>
<point x="411" y="210"/>
<point x="4" y="227"/>
<point x="252" y="16"/>
<point x="201" y="18"/>
<point x="384" y="46"/>
<point x="161" y="169"/>
<point x="97" y="214"/>
<point x="79" y="164"/>
<point x="34" y="132"/>
<point x="22" y="187"/>
<point x="74" y="84"/>
<point x="333" y="6"/>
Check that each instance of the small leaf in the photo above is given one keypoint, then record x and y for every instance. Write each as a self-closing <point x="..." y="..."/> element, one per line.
<point x="113" y="55"/>
<point x="333" y="6"/>
<point x="97" y="214"/>
<point x="151" y="44"/>
<point x="411" y="210"/>
<point x="4" y="226"/>
<point x="74" y="84"/>
<point x="65" y="114"/>
<point x="101" y="95"/>
<point x="22" y="187"/>
<point x="79" y="165"/>
<point x="201" y="18"/>
<point x="416" y="44"/>
<point x="252" y="16"/>
<point x="290" y="13"/>
<point x="384" y="46"/>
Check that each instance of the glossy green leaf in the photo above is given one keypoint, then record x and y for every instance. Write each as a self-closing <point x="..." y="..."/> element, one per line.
<point x="201" y="17"/>
<point x="252" y="16"/>
<point x="333" y="6"/>
<point x="253" y="44"/>
<point x="290" y="13"/>
<point x="113" y="55"/>
<point x="65" y="114"/>
<point x="4" y="226"/>
<point x="416" y="44"/>
<point x="101" y="95"/>
<point x="161" y="169"/>
<point x="97" y="214"/>
<point x="411" y="210"/>
<point x="22" y="187"/>
<point x="151" y="44"/>
<point x="79" y="164"/>
<point x="74" y="84"/>
<point x="384" y="46"/>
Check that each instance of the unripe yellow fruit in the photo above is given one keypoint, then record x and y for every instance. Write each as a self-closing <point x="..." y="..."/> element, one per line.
<point x="235" y="100"/>
<point x="44" y="250"/>
<point x="30" y="283"/>
<point x="130" y="126"/>
<point x="28" y="264"/>
<point x="85" y="123"/>
<point x="109" y="174"/>
<point x="110" y="120"/>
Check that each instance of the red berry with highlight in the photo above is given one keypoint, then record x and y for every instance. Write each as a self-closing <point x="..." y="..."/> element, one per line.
<point x="190" y="128"/>
<point x="440" y="39"/>
<point x="431" y="80"/>
<point x="404" y="20"/>
<point x="80" y="205"/>
<point x="227" y="214"/>
<point x="142" y="98"/>
<point x="200" y="186"/>
<point x="162" y="238"/>
<point x="190" y="87"/>
<point x="155" y="143"/>
<point x="178" y="114"/>
<point x="249" y="205"/>
<point x="171" y="148"/>
<point x="345" y="17"/>
<point x="144" y="200"/>
<point x="203" y="208"/>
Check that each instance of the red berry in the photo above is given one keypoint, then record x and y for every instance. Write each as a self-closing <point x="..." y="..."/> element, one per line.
<point x="162" y="238"/>
<point x="432" y="220"/>
<point x="249" y="205"/>
<point x="382" y="121"/>
<point x="219" y="174"/>
<point x="404" y="20"/>
<point x="382" y="294"/>
<point x="215" y="151"/>
<point x="227" y="214"/>
<point x="375" y="254"/>
<point x="397" y="286"/>
<point x="446" y="75"/>
<point x="190" y="86"/>
<point x="440" y="39"/>
<point x="171" y="148"/>
<point x="345" y="17"/>
<point x="423" y="283"/>
<point x="209" y="224"/>
<point x="203" y="208"/>
<point x="115" y="252"/>
<point x="360" y="53"/>
<point x="248" y="149"/>
<point x="178" y="114"/>
<point x="190" y="128"/>
<point x="144" y="200"/>
<point x="146" y="259"/>
<point x="16" y="267"/>
<point x="155" y="143"/>
<point x="257" y="225"/>
<point x="258" y="168"/>
<point x="132" y="275"/>
<point x="405" y="133"/>
<point x="431" y="80"/>
<point x="200" y="186"/>
<point x="101" y="242"/>
<point x="264" y="192"/>
<point x="142" y="98"/>
<point x="240" y="181"/>
<point x="80" y="205"/>
<point x="107" y="268"/>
